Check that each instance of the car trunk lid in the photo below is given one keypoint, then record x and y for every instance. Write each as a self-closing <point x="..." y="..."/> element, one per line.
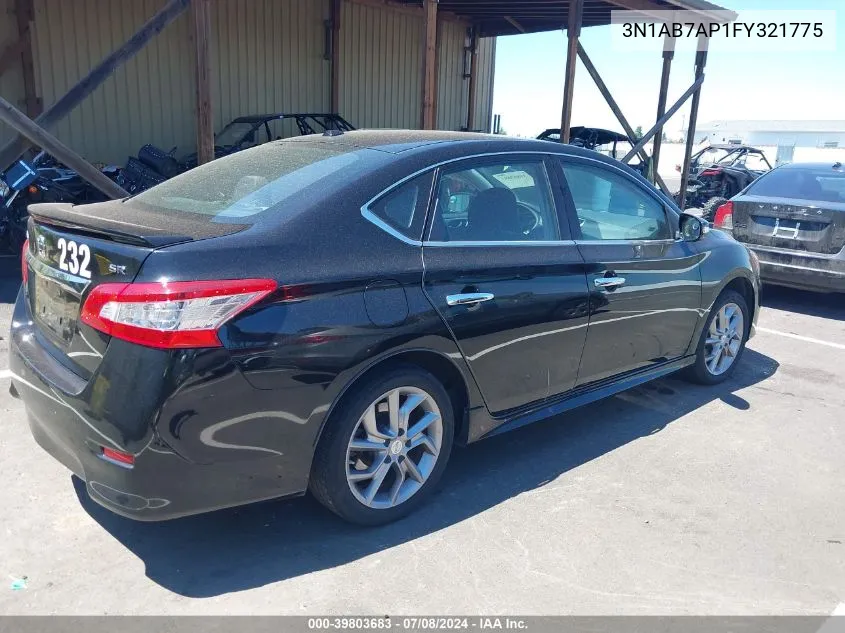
<point x="74" y="249"/>
<point x="817" y="227"/>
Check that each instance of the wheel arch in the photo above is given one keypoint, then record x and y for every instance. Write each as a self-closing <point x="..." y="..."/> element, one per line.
<point x="739" y="281"/>
<point x="742" y="285"/>
<point x="443" y="368"/>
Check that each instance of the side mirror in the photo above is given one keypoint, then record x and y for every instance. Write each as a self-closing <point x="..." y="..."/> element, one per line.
<point x="691" y="228"/>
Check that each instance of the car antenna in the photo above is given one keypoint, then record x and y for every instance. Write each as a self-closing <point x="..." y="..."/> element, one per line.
<point x="837" y="165"/>
<point x="333" y="133"/>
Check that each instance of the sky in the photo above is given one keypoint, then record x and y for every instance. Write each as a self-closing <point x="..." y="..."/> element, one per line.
<point x="528" y="90"/>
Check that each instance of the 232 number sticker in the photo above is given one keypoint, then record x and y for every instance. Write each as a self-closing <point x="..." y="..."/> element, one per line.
<point x="74" y="258"/>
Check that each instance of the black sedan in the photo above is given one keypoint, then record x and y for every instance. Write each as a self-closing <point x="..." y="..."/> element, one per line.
<point x="333" y="313"/>
<point x="793" y="218"/>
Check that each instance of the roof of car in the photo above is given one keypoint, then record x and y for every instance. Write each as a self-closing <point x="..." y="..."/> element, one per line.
<point x="399" y="141"/>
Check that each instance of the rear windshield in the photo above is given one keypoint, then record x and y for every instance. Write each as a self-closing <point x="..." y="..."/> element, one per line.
<point x="248" y="182"/>
<point x="822" y="185"/>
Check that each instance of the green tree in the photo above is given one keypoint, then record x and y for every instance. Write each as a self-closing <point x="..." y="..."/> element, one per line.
<point x="638" y="132"/>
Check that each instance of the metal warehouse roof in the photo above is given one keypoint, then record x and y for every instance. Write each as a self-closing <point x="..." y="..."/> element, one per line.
<point x="509" y="17"/>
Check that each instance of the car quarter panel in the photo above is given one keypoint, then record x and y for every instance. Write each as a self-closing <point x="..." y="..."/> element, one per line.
<point x="725" y="262"/>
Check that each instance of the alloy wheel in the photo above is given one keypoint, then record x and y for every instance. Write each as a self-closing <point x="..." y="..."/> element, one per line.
<point x="724" y="339"/>
<point x="394" y="447"/>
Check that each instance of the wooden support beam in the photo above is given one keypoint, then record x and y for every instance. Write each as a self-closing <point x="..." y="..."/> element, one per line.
<point x="515" y="24"/>
<point x="201" y="20"/>
<point x="429" y="91"/>
<point x="700" y="63"/>
<point x="669" y="114"/>
<point x="11" y="54"/>
<point x="668" y="54"/>
<point x="573" y="31"/>
<point x="85" y="86"/>
<point x="17" y="120"/>
<point x="614" y="107"/>
<point x="25" y="16"/>
<point x="473" y="78"/>
<point x="336" y="11"/>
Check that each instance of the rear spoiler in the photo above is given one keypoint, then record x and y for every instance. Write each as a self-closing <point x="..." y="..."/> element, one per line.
<point x="123" y="222"/>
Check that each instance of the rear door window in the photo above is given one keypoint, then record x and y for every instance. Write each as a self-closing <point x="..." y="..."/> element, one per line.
<point x="495" y="201"/>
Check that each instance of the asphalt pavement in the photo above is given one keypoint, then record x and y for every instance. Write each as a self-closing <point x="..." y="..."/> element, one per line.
<point x="667" y="499"/>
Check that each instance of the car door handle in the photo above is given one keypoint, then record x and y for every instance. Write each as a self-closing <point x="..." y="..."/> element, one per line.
<point x="609" y="282"/>
<point x="469" y="298"/>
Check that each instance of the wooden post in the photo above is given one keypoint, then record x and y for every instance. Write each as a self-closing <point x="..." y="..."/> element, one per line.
<point x="16" y="119"/>
<point x="25" y="16"/>
<point x="11" y="54"/>
<point x="473" y="78"/>
<point x="693" y="89"/>
<point x="85" y="86"/>
<point x="614" y="107"/>
<point x="429" y="90"/>
<point x="668" y="54"/>
<point x="336" y="11"/>
<point x="201" y="18"/>
<point x="700" y="62"/>
<point x="573" y="31"/>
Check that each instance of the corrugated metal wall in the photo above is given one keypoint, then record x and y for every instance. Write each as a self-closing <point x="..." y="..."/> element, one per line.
<point x="381" y="65"/>
<point x="150" y="98"/>
<point x="452" y="87"/>
<point x="486" y="77"/>
<point x="267" y="56"/>
<point x="11" y="81"/>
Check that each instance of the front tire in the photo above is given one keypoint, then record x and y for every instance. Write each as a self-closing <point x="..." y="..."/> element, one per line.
<point x="385" y="447"/>
<point x="723" y="340"/>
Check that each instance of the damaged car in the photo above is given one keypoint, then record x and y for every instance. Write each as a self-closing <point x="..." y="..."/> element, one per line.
<point x="793" y="219"/>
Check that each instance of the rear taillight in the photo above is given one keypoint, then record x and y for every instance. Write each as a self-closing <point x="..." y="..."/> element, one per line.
<point x="24" y="266"/>
<point x="174" y="314"/>
<point x="724" y="218"/>
<point x="710" y="172"/>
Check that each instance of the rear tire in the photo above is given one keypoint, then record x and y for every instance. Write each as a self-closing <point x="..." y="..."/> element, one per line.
<point x="372" y="467"/>
<point x="722" y="341"/>
<point x="708" y="211"/>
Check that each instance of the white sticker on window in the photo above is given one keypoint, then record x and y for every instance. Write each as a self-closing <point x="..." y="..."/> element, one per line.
<point x="516" y="179"/>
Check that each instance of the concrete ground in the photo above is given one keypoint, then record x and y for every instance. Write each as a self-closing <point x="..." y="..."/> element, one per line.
<point x="667" y="499"/>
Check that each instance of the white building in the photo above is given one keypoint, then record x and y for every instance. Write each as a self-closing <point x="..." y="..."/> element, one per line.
<point x="785" y="135"/>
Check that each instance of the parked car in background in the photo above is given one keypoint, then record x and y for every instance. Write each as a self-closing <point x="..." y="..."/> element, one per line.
<point x="719" y="172"/>
<point x="793" y="218"/>
<point x="334" y="312"/>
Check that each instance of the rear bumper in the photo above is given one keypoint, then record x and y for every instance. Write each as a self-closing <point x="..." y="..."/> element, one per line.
<point x="802" y="270"/>
<point x="199" y="445"/>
